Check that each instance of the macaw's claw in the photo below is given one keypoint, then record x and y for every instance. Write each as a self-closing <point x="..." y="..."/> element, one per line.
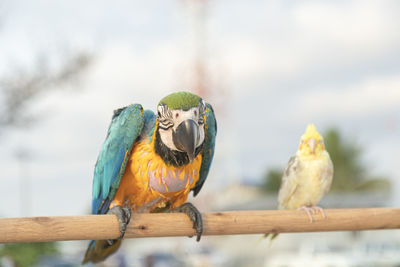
<point x="194" y="215"/>
<point x="124" y="216"/>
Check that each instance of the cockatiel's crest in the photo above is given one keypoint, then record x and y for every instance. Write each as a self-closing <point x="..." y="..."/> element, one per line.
<point x="311" y="142"/>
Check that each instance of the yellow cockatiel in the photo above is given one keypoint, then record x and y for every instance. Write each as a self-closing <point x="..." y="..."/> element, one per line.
<point x="308" y="175"/>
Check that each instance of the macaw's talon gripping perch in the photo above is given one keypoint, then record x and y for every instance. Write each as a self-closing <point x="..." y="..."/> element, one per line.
<point x="124" y="216"/>
<point x="194" y="215"/>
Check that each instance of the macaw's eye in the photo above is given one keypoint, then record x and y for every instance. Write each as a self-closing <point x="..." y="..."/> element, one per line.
<point x="195" y="112"/>
<point x="176" y="115"/>
<point x="201" y="120"/>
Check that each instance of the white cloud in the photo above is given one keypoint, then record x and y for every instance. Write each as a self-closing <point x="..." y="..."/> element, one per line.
<point x="357" y="24"/>
<point x="306" y="40"/>
<point x="354" y="100"/>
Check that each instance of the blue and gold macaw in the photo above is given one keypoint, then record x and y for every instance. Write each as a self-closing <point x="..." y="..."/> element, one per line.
<point x="150" y="163"/>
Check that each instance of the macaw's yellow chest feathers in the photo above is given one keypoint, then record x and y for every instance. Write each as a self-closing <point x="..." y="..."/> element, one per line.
<point x="149" y="183"/>
<point x="155" y="175"/>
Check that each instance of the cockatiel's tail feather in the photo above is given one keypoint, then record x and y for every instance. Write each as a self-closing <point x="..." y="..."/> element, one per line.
<point x="270" y="236"/>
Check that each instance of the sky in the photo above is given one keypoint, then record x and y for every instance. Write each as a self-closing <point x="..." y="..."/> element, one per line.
<point x="274" y="67"/>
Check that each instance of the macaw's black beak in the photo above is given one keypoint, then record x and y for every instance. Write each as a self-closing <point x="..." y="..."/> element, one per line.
<point x="185" y="137"/>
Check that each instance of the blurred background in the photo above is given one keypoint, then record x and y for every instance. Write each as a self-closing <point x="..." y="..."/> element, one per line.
<point x="268" y="67"/>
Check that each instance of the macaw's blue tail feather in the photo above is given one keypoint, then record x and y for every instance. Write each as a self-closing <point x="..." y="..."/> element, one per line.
<point x="99" y="250"/>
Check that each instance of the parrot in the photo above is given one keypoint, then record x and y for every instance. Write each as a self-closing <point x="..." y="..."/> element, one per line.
<point x="307" y="176"/>
<point x="150" y="163"/>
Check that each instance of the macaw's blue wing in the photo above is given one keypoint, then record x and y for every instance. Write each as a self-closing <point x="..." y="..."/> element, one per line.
<point x="126" y="125"/>
<point x="209" y="145"/>
<point x="149" y="124"/>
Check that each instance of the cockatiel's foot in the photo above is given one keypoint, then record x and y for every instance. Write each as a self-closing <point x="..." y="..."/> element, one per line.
<point x="124" y="216"/>
<point x="194" y="215"/>
<point x="313" y="210"/>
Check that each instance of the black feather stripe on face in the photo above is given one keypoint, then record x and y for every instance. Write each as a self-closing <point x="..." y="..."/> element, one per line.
<point x="165" y="117"/>
<point x="172" y="157"/>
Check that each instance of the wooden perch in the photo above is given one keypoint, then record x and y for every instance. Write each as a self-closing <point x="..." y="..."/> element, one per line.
<point x="96" y="227"/>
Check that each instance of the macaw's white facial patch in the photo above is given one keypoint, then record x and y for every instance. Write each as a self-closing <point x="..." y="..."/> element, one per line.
<point x="169" y="120"/>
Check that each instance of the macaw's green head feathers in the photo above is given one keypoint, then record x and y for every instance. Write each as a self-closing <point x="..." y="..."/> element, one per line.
<point x="311" y="141"/>
<point x="181" y="100"/>
<point x="180" y="132"/>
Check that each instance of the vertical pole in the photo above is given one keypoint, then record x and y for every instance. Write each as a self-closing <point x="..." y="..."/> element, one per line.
<point x="25" y="193"/>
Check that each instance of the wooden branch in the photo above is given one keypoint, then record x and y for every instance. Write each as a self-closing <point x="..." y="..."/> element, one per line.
<point x="96" y="227"/>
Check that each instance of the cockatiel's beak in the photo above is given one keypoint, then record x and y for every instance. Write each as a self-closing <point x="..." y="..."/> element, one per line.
<point x="312" y="143"/>
<point x="186" y="137"/>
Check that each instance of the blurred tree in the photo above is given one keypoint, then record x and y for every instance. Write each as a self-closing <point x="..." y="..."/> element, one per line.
<point x="19" y="90"/>
<point x="349" y="170"/>
<point x="350" y="173"/>
<point x="28" y="254"/>
<point x="272" y="180"/>
<point x="17" y="93"/>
